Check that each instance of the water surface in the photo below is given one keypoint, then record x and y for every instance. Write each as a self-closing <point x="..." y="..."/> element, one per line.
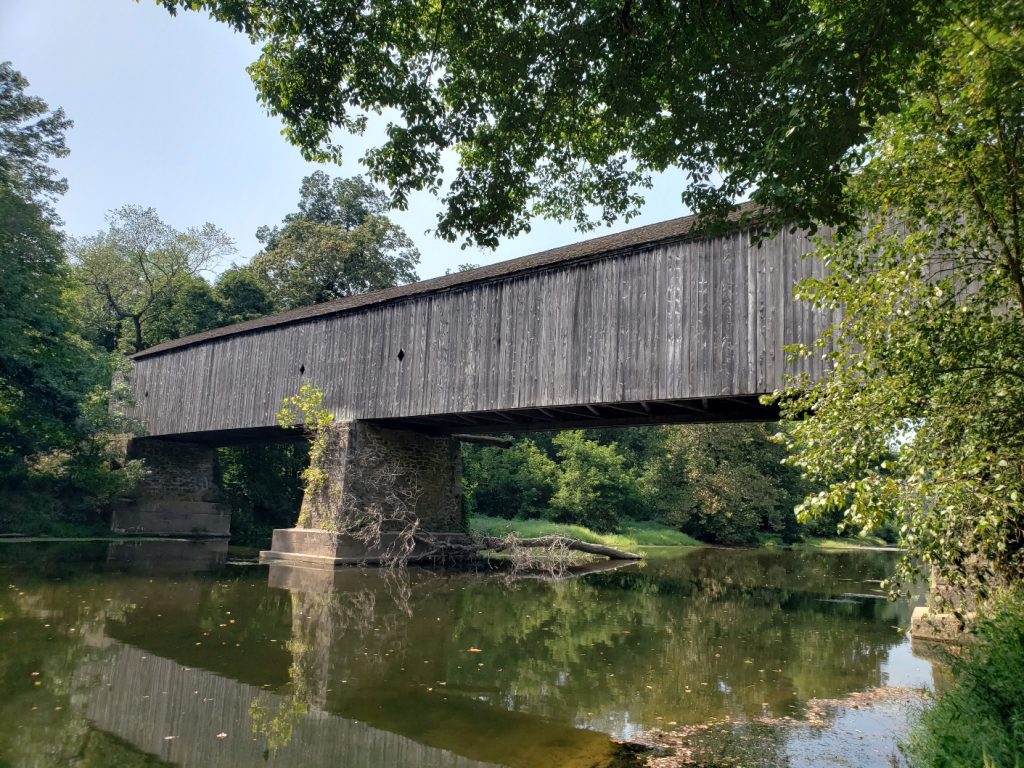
<point x="172" y="653"/>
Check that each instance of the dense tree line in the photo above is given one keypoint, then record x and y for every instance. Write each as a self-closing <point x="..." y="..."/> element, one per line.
<point x="721" y="483"/>
<point x="141" y="282"/>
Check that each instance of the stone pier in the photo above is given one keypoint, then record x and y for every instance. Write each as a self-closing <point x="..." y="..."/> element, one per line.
<point x="937" y="622"/>
<point x="370" y="472"/>
<point x="178" y="496"/>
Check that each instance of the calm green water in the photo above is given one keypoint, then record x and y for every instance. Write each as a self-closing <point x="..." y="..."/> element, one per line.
<point x="187" y="654"/>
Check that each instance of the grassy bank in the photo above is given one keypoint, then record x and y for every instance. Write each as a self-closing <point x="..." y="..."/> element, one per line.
<point x="647" y="535"/>
<point x="853" y="542"/>
<point x="631" y="535"/>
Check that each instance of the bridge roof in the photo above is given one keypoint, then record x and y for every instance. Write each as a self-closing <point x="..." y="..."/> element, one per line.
<point x="608" y="245"/>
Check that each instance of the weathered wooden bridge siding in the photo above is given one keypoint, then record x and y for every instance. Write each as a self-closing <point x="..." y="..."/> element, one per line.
<point x="692" y="318"/>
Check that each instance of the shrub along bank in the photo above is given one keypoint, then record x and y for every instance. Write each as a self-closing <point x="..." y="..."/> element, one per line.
<point x="980" y="720"/>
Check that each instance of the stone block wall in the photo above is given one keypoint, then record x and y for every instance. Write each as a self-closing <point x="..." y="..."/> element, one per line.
<point x="177" y="496"/>
<point x="371" y="468"/>
<point x="175" y="470"/>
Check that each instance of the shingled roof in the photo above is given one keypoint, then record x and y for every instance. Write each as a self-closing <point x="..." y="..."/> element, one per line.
<point x="598" y="247"/>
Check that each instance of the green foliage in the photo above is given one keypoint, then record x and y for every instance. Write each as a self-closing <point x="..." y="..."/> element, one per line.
<point x="306" y="409"/>
<point x="517" y="482"/>
<point x="30" y="137"/>
<point x="644" y="534"/>
<point x="980" y="720"/>
<point x="263" y="486"/>
<point x="595" y="488"/>
<point x="731" y="483"/>
<point x="189" y="306"/>
<point x="56" y="459"/>
<point x="338" y="244"/>
<point x="140" y="267"/>
<point x="922" y="421"/>
<point x="241" y="296"/>
<point x="722" y="483"/>
<point x="559" y="108"/>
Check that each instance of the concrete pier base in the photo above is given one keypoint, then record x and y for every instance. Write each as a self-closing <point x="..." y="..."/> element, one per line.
<point x="314" y="547"/>
<point x="936" y="623"/>
<point x="178" y="495"/>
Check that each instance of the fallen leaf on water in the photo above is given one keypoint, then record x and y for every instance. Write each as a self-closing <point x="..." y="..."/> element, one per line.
<point x="474" y="649"/>
<point x="222" y="735"/>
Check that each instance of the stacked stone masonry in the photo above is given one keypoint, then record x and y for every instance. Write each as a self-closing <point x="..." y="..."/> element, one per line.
<point x="390" y="472"/>
<point x="177" y="496"/>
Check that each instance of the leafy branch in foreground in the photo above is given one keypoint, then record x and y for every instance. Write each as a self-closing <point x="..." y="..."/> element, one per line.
<point x="922" y="419"/>
<point x="565" y="109"/>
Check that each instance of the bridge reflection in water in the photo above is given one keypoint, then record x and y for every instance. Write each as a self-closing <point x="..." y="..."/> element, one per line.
<point x="359" y="667"/>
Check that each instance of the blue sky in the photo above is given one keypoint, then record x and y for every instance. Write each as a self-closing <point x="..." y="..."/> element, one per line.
<point x="166" y="116"/>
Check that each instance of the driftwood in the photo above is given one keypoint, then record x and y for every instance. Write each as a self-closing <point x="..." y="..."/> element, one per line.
<point x="562" y="542"/>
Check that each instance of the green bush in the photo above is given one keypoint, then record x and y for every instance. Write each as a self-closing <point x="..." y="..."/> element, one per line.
<point x="980" y="720"/>
<point x="517" y="482"/>
<point x="262" y="485"/>
<point x="595" y="487"/>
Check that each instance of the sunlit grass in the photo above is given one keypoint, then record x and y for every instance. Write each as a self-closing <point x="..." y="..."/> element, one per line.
<point x="855" y="542"/>
<point x="631" y="535"/>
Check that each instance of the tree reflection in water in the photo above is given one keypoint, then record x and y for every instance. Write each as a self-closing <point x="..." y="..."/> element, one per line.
<point x="522" y="673"/>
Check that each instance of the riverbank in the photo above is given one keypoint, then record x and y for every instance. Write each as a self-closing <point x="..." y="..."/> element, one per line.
<point x="641" y="535"/>
<point x="635" y="535"/>
<point x="650" y="534"/>
<point x="864" y="728"/>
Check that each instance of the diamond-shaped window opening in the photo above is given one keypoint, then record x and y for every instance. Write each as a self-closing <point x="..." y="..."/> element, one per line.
<point x="401" y="355"/>
<point x="302" y="369"/>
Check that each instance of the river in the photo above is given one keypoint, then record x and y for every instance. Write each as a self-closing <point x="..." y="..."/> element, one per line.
<point x="192" y="654"/>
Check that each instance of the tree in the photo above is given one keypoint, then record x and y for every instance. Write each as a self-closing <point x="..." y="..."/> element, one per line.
<point x="555" y="108"/>
<point x="241" y="296"/>
<point x="32" y="318"/>
<point x="53" y="385"/>
<point x="30" y="137"/>
<point x="731" y="486"/>
<point x="138" y="264"/>
<point x="338" y="243"/>
<point x="513" y="483"/>
<point x="595" y="487"/>
<point x="189" y="306"/>
<point x="923" y="417"/>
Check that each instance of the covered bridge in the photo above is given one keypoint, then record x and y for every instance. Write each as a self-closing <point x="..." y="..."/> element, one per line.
<point x="653" y="325"/>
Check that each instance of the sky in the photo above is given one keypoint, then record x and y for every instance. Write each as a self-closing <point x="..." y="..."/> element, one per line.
<point x="166" y="117"/>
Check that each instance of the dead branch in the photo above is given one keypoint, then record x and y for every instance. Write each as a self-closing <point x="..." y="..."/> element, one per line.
<point x="493" y="543"/>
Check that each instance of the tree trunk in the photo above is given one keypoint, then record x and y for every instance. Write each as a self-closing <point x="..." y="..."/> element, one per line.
<point x="137" y="323"/>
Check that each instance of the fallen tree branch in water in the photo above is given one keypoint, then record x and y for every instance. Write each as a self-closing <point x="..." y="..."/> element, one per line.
<point x="556" y="542"/>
